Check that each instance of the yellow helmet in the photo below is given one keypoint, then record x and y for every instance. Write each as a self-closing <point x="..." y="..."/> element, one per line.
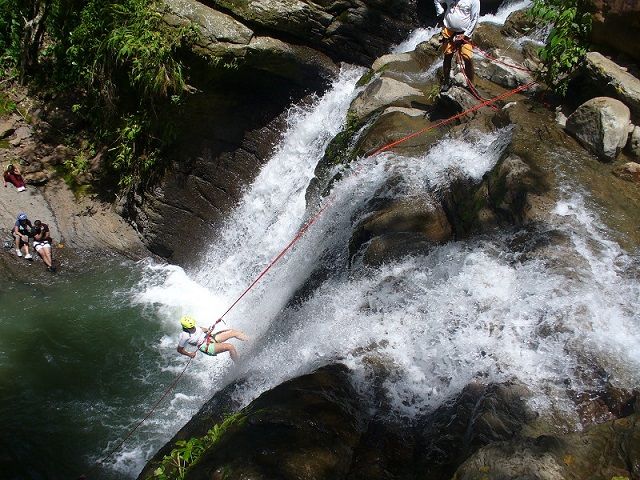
<point x="187" y="322"/>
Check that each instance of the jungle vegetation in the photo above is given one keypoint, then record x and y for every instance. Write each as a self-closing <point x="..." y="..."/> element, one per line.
<point x="117" y="58"/>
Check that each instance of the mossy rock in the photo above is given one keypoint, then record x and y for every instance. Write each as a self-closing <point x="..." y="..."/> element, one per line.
<point x="306" y="428"/>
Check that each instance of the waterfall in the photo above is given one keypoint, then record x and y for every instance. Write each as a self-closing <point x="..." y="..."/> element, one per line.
<point x="487" y="308"/>
<point x="420" y="35"/>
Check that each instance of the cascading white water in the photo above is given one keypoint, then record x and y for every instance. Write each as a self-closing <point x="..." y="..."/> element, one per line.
<point x="269" y="214"/>
<point x="506" y="9"/>
<point x="420" y="35"/>
<point x="467" y="310"/>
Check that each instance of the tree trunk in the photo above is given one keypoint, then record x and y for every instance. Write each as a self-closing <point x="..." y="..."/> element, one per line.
<point x="32" y="34"/>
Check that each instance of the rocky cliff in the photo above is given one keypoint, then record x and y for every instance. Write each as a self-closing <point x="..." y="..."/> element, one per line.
<point x="251" y="61"/>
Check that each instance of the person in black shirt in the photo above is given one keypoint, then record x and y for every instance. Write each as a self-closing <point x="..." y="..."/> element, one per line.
<point x="42" y="243"/>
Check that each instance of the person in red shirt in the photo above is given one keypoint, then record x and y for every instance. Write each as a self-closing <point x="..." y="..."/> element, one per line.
<point x="42" y="243"/>
<point x="12" y="175"/>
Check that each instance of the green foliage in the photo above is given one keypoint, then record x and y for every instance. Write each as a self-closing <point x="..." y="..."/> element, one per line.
<point x="10" y="28"/>
<point x="566" y="46"/>
<point x="128" y="39"/>
<point x="118" y="62"/>
<point x="7" y="105"/>
<point x="126" y="58"/>
<point x="127" y="161"/>
<point x="72" y="168"/>
<point x="187" y="452"/>
<point x="78" y="164"/>
<point x="366" y="78"/>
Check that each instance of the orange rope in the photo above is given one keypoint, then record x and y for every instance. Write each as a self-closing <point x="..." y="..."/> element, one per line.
<point x="451" y="119"/>
<point x="470" y="85"/>
<point x="496" y="60"/>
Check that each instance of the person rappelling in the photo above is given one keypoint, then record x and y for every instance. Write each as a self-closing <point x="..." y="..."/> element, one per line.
<point x="205" y="340"/>
<point x="460" y="20"/>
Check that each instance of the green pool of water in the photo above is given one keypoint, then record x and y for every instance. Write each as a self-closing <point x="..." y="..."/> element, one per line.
<point x="78" y="363"/>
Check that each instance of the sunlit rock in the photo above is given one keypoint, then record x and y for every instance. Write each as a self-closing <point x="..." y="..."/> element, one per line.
<point x="384" y="92"/>
<point x="399" y="226"/>
<point x="601" y="125"/>
<point x="608" y="78"/>
<point x="629" y="171"/>
<point x="634" y="142"/>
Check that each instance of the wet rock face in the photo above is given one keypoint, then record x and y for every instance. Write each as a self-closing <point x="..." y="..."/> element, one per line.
<point x="306" y="428"/>
<point x="251" y="60"/>
<point x="610" y="450"/>
<point x="317" y="427"/>
<point x="225" y="133"/>
<point x="629" y="171"/>
<point x="401" y="228"/>
<point x="480" y="415"/>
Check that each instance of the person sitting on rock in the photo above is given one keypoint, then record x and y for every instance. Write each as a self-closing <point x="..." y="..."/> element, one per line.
<point x="42" y="243"/>
<point x="206" y="341"/>
<point x="12" y="175"/>
<point x="21" y="232"/>
<point x="460" y="20"/>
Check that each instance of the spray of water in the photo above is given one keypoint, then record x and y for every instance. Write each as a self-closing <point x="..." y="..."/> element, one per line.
<point x="427" y="325"/>
<point x="420" y="35"/>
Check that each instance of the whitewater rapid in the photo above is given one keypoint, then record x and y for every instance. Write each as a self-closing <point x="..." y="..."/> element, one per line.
<point x="478" y="309"/>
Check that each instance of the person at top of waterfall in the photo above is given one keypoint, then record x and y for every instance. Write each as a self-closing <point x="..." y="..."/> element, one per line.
<point x="12" y="175"/>
<point x="21" y="232"/>
<point x="42" y="243"/>
<point x="205" y="340"/>
<point x="460" y="20"/>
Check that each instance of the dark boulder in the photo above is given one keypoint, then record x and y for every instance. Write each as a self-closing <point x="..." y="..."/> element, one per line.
<point x="480" y="415"/>
<point x="402" y="227"/>
<point x="306" y="428"/>
<point x="610" y="450"/>
<point x="356" y="31"/>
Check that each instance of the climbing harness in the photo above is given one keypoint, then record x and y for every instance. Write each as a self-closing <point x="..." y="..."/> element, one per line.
<point x="208" y="345"/>
<point x="327" y="203"/>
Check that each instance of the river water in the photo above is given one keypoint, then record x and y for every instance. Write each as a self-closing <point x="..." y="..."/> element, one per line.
<point x="84" y="358"/>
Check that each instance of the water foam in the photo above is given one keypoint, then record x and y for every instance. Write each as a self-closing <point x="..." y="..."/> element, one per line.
<point x="506" y="9"/>
<point x="431" y="324"/>
<point x="420" y="35"/>
<point x="269" y="214"/>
